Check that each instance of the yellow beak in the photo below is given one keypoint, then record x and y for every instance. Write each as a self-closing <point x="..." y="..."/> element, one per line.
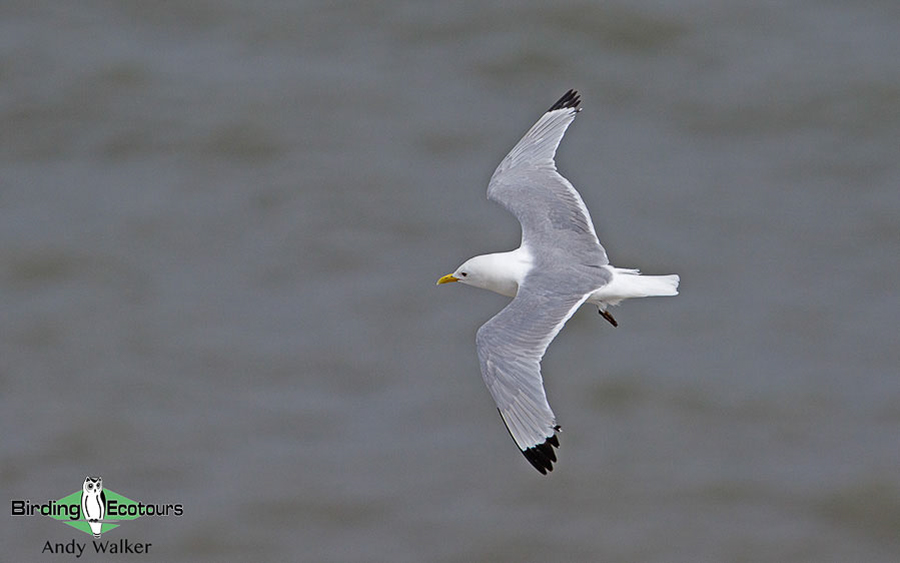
<point x="447" y="279"/>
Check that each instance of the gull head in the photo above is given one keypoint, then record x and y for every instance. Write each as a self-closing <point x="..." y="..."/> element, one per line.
<point x="468" y="273"/>
<point x="500" y="273"/>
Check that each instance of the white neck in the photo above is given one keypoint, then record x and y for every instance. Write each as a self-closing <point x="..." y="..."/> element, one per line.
<point x="502" y="272"/>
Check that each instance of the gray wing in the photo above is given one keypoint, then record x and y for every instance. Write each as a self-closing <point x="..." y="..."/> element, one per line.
<point x="548" y="207"/>
<point x="510" y="347"/>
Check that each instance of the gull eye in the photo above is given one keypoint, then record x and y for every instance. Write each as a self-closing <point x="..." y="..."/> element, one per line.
<point x="464" y="274"/>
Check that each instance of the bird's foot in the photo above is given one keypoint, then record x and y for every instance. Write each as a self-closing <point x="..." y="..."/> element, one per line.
<point x="606" y="315"/>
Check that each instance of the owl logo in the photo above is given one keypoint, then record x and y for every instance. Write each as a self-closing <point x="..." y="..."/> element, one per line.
<point x="93" y="503"/>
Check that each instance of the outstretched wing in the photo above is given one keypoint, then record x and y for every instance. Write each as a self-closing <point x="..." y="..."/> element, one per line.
<point x="547" y="206"/>
<point x="510" y="347"/>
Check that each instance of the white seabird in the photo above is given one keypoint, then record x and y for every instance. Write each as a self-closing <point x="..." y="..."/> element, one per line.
<point x="559" y="266"/>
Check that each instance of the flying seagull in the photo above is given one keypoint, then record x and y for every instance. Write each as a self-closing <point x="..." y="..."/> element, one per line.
<point x="559" y="266"/>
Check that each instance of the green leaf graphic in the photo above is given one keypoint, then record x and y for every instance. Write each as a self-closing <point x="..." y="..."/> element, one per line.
<point x="74" y="500"/>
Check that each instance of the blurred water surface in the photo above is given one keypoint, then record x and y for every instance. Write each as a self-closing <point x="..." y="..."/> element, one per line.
<point x="221" y="224"/>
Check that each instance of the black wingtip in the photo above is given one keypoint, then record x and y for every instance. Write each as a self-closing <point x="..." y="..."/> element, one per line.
<point x="570" y="99"/>
<point x="542" y="456"/>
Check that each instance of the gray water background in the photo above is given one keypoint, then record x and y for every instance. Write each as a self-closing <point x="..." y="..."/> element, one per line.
<point x="221" y="224"/>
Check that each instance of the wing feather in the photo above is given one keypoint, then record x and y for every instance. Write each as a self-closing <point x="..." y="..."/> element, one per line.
<point x="510" y="347"/>
<point x="547" y="205"/>
<point x="557" y="230"/>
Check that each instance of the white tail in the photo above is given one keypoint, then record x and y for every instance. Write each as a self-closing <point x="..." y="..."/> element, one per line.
<point x="628" y="284"/>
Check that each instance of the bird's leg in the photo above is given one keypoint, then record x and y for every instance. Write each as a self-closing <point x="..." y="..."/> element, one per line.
<point x="606" y="315"/>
